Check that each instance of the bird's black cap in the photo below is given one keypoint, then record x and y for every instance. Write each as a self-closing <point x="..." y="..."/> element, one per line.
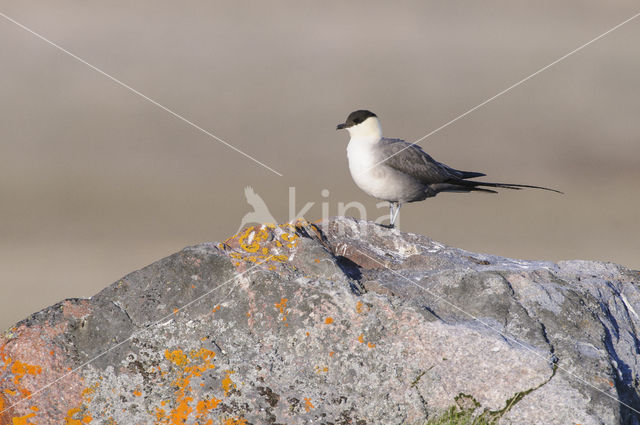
<point x="355" y="118"/>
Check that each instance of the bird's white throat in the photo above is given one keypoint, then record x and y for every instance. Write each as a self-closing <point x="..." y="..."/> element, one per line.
<point x="363" y="155"/>
<point x="361" y="149"/>
<point x="367" y="129"/>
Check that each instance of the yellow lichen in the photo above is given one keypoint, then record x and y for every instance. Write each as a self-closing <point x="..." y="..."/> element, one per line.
<point x="323" y="369"/>
<point x="258" y="244"/>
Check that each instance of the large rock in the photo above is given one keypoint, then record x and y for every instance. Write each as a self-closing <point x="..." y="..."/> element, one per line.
<point x="341" y="323"/>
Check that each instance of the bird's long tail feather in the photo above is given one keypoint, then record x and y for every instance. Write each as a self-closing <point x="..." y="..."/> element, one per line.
<point x="473" y="185"/>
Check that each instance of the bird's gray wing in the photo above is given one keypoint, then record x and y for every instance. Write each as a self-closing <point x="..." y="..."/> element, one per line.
<point x="412" y="160"/>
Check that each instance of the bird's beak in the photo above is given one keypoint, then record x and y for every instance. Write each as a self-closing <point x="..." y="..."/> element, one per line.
<point x="340" y="126"/>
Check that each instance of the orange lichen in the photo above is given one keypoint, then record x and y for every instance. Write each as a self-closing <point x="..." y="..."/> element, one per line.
<point x="307" y="404"/>
<point x="70" y="420"/>
<point x="331" y="353"/>
<point x="188" y="366"/>
<point x="20" y="369"/>
<point x="328" y="320"/>
<point x="359" y="306"/>
<point x="227" y="383"/>
<point x="5" y="359"/>
<point x="176" y="357"/>
<point x="362" y="341"/>
<point x="235" y="421"/>
<point x="216" y="308"/>
<point x="23" y="420"/>
<point x="78" y="416"/>
<point x="176" y="310"/>
<point x="87" y="391"/>
<point x="137" y="393"/>
<point x="282" y="305"/>
<point x="203" y="408"/>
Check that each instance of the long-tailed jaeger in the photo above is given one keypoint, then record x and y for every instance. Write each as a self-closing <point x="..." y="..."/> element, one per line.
<point x="400" y="172"/>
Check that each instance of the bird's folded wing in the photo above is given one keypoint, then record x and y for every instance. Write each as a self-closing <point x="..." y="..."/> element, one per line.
<point x="412" y="160"/>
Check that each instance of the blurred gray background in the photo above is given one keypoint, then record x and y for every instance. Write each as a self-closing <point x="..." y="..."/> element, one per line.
<point x="96" y="182"/>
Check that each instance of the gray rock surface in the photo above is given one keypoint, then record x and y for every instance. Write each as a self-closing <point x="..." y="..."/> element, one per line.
<point x="344" y="322"/>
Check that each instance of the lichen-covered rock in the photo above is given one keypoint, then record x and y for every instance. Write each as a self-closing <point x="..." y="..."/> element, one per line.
<point x="344" y="322"/>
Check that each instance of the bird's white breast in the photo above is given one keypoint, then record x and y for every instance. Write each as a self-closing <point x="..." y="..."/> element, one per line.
<point x="375" y="178"/>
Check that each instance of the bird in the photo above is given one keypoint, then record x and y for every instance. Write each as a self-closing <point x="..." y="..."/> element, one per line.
<point x="399" y="172"/>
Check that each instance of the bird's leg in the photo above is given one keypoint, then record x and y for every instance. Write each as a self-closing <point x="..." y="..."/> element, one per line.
<point x="392" y="211"/>
<point x="395" y="209"/>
